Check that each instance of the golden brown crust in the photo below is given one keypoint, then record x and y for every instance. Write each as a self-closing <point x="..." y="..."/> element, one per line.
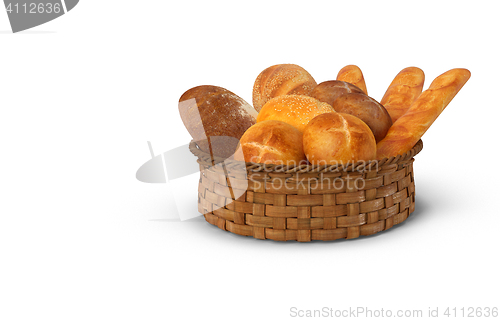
<point x="296" y="110"/>
<point x="352" y="74"/>
<point x="337" y="138"/>
<point x="283" y="79"/>
<point x="410" y="127"/>
<point x="404" y="89"/>
<point x="368" y="110"/>
<point x="215" y="111"/>
<point x="330" y="90"/>
<point x="271" y="142"/>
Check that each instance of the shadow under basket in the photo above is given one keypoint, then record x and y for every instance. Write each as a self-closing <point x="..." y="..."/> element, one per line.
<point x="305" y="203"/>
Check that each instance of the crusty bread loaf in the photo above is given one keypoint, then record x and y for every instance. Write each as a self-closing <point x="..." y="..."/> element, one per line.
<point x="283" y="79"/>
<point x="368" y="110"/>
<point x="404" y="89"/>
<point x="271" y="142"/>
<point x="352" y="74"/>
<point x="410" y="127"/>
<point x="337" y="138"/>
<point x="296" y="110"/>
<point x="214" y="111"/>
<point x="330" y="90"/>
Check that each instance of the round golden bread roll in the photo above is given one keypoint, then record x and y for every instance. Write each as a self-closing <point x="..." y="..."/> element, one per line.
<point x="215" y="111"/>
<point x="271" y="142"/>
<point x="368" y="110"/>
<point x="283" y="79"/>
<point x="296" y="110"/>
<point x="337" y="138"/>
<point x="330" y="90"/>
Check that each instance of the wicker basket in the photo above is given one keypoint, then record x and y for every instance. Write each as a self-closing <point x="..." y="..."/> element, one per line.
<point x="306" y="203"/>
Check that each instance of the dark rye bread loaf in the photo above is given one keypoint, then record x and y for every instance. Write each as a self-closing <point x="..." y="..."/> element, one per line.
<point x="214" y="111"/>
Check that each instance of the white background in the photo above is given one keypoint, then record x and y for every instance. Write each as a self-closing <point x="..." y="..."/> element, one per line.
<point x="82" y="239"/>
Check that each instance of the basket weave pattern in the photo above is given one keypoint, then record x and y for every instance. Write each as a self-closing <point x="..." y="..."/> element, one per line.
<point x="306" y="203"/>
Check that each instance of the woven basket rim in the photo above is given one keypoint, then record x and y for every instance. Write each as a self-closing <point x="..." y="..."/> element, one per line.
<point x="306" y="168"/>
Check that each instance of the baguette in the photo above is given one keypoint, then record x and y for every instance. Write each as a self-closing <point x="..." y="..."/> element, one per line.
<point x="410" y="127"/>
<point x="352" y="74"/>
<point x="404" y="89"/>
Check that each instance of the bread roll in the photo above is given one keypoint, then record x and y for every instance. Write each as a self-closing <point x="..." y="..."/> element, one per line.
<point x="278" y="80"/>
<point x="337" y="138"/>
<point x="272" y="142"/>
<point x="352" y="74"/>
<point x="214" y="111"/>
<point x="328" y="91"/>
<point x="410" y="127"/>
<point x="296" y="110"/>
<point x="368" y="110"/>
<point x="404" y="89"/>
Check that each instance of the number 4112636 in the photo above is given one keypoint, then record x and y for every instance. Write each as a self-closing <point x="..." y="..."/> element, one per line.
<point x="471" y="312"/>
<point x="34" y="8"/>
